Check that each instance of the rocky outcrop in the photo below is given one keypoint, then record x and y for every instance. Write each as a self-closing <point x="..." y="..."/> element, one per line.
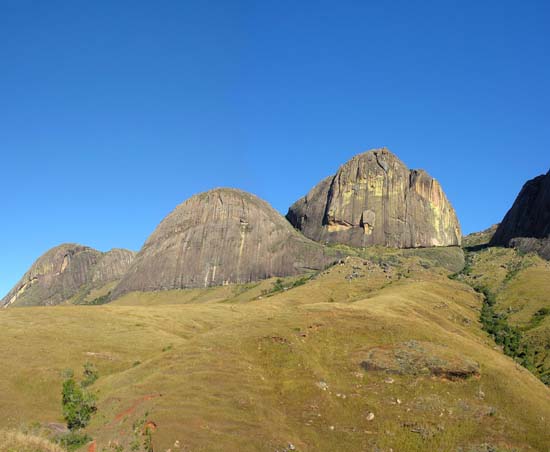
<point x="374" y="199"/>
<point x="65" y="271"/>
<point x="418" y="358"/>
<point x="526" y="226"/>
<point x="220" y="237"/>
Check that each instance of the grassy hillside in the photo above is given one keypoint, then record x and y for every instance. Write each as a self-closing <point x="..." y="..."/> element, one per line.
<point x="520" y="284"/>
<point x="380" y="354"/>
<point x="15" y="441"/>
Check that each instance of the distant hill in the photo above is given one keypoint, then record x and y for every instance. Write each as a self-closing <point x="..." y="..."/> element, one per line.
<point x="69" y="272"/>
<point x="476" y="239"/>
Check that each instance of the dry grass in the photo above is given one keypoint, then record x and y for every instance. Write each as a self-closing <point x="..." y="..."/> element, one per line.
<point x="14" y="441"/>
<point x="232" y="369"/>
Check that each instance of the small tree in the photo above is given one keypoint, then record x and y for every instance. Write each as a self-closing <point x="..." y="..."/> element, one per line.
<point x="78" y="403"/>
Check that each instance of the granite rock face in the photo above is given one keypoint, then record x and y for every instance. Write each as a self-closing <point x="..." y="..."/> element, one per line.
<point x="526" y="226"/>
<point x="64" y="271"/>
<point x="374" y="199"/>
<point x="220" y="237"/>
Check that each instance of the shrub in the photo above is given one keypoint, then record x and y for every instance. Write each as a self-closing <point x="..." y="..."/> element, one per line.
<point x="74" y="440"/>
<point x="90" y="375"/>
<point x="78" y="405"/>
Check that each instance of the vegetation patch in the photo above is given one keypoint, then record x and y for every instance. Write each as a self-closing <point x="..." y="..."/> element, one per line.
<point x="417" y="358"/>
<point x="538" y="317"/>
<point x="79" y="404"/>
<point x="281" y="285"/>
<point x="504" y="334"/>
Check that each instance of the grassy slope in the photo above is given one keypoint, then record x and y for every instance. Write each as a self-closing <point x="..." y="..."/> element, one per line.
<point x="522" y="287"/>
<point x="13" y="441"/>
<point x="234" y="368"/>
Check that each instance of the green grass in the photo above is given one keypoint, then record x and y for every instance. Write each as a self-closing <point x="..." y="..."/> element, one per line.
<point x="519" y="285"/>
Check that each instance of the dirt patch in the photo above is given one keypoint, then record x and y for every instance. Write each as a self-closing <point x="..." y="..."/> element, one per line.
<point x="134" y="406"/>
<point x="101" y="355"/>
<point x="417" y="358"/>
<point x="149" y="427"/>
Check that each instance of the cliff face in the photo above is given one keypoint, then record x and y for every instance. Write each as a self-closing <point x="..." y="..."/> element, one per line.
<point x="64" y="271"/>
<point x="219" y="237"/>
<point x="112" y="266"/>
<point x="527" y="224"/>
<point x="374" y="199"/>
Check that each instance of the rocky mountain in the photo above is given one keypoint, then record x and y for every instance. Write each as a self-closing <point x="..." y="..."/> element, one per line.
<point x="526" y="226"/>
<point x="219" y="237"/>
<point x="66" y="271"/>
<point x="374" y="199"/>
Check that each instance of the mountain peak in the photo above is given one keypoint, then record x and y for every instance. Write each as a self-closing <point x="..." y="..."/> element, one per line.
<point x="374" y="199"/>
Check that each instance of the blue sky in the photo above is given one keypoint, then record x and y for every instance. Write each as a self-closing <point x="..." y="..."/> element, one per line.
<point x="112" y="113"/>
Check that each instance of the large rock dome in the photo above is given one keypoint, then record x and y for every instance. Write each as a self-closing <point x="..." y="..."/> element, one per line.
<point x="374" y="199"/>
<point x="220" y="237"/>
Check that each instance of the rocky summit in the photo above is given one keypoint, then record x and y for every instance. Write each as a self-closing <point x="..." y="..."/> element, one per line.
<point x="374" y="199"/>
<point x="526" y="226"/>
<point x="66" y="271"/>
<point x="220" y="237"/>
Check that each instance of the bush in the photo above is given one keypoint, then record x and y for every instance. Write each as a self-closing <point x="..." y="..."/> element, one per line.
<point x="74" y="440"/>
<point x="78" y="403"/>
<point x="90" y="375"/>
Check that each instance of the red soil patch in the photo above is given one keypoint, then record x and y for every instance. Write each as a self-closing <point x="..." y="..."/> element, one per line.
<point x="150" y="427"/>
<point x="135" y="405"/>
<point x="92" y="447"/>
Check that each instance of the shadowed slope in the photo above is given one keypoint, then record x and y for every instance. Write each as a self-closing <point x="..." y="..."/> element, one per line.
<point x="526" y="226"/>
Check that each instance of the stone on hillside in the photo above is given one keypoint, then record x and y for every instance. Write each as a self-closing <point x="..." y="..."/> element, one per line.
<point x="417" y="358"/>
<point x="374" y="199"/>
<point x="526" y="226"/>
<point x="220" y="237"/>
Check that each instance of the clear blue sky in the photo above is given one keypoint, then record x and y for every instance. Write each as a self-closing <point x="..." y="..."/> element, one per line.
<point x="114" y="112"/>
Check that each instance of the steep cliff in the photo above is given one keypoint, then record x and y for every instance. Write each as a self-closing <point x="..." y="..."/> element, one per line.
<point x="526" y="226"/>
<point x="374" y="199"/>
